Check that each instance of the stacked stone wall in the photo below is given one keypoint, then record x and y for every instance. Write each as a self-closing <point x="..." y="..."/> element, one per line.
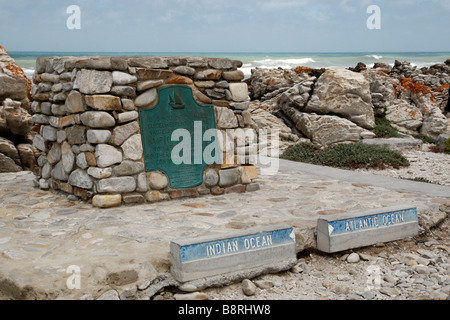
<point x="86" y="125"/>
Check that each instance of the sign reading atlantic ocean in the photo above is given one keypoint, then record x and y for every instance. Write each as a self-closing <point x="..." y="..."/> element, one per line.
<point x="179" y="136"/>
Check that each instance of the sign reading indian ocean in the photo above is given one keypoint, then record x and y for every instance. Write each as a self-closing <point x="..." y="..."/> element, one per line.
<point x="236" y="245"/>
<point x="179" y="136"/>
<point x="238" y="251"/>
<point x="354" y="230"/>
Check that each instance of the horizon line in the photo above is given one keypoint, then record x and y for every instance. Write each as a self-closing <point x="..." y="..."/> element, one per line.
<point x="233" y="52"/>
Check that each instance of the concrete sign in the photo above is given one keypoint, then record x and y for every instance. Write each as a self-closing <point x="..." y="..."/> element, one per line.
<point x="215" y="255"/>
<point x="346" y="231"/>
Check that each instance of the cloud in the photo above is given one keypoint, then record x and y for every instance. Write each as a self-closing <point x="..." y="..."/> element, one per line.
<point x="346" y="7"/>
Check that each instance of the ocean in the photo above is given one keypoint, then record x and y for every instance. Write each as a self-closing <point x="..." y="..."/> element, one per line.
<point x="27" y="60"/>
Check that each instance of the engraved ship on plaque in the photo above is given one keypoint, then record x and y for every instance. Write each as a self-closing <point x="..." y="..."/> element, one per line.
<point x="176" y="102"/>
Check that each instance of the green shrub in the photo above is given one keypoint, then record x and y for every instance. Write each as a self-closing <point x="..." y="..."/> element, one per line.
<point x="421" y="179"/>
<point x="425" y="139"/>
<point x="303" y="152"/>
<point x="383" y="129"/>
<point x="349" y="156"/>
<point x="447" y="146"/>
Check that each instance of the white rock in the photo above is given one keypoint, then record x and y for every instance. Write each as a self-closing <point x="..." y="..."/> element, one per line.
<point x="157" y="180"/>
<point x="97" y="119"/>
<point x="95" y="82"/>
<point x="121" y="133"/>
<point x="116" y="185"/>
<point x="345" y="93"/>
<point x="49" y="133"/>
<point x="248" y="287"/>
<point x="107" y="155"/>
<point x="100" y="173"/>
<point x="122" y="78"/>
<point x="146" y="99"/>
<point x="68" y="157"/>
<point x="132" y="148"/>
<point x="353" y="258"/>
<point x="79" y="178"/>
<point x="109" y="295"/>
<point x="239" y="91"/>
<point x="127" y="116"/>
<point x="98" y="136"/>
<point x="81" y="161"/>
<point x="75" y="102"/>
<point x="225" y="118"/>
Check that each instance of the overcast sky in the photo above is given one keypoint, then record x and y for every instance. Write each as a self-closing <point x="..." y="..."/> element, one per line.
<point x="225" y="26"/>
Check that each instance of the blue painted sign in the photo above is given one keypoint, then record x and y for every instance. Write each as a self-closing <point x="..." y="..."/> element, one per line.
<point x="236" y="245"/>
<point x="372" y="221"/>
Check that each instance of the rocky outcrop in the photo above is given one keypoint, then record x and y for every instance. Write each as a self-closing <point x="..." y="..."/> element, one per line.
<point x="264" y="81"/>
<point x="263" y="119"/>
<point x="327" y="130"/>
<point x="340" y="106"/>
<point x="16" y="152"/>
<point x="336" y="108"/>
<point x="344" y="93"/>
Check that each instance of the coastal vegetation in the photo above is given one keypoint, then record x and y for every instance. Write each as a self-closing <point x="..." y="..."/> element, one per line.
<point x="347" y="156"/>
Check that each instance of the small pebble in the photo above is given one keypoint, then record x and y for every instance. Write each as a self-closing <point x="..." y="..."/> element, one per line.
<point x="353" y="258"/>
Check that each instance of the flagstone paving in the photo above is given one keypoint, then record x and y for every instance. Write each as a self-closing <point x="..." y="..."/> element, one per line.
<point x="126" y="248"/>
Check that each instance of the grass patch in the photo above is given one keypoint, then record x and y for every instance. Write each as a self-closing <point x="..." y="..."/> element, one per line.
<point x="420" y="179"/>
<point x="384" y="129"/>
<point x="447" y="146"/>
<point x="348" y="156"/>
<point x="425" y="139"/>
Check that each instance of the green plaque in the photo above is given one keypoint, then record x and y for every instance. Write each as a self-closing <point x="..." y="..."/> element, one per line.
<point x="179" y="137"/>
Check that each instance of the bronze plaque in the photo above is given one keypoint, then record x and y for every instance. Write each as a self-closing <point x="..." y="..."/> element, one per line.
<point x="179" y="153"/>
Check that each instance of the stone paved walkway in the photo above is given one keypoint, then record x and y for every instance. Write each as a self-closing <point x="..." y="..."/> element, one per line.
<point x="42" y="234"/>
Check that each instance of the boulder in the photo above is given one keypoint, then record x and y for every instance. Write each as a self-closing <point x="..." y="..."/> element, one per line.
<point x="14" y="84"/>
<point x="326" y="130"/>
<point x="262" y="119"/>
<point x="264" y="81"/>
<point x="434" y="123"/>
<point x="381" y="88"/>
<point x="404" y="116"/>
<point x="8" y="149"/>
<point x="27" y="156"/>
<point x="14" y="119"/>
<point x="296" y="97"/>
<point x="344" y="93"/>
<point x="8" y="165"/>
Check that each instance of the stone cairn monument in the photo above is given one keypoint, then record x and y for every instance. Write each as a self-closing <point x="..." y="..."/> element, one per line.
<point x="107" y="129"/>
